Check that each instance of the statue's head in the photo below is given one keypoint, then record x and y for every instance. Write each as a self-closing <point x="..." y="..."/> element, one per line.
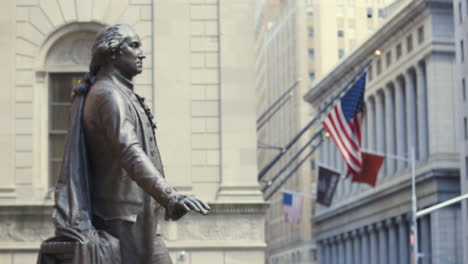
<point x="118" y="46"/>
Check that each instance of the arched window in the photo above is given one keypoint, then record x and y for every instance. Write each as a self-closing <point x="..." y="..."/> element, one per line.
<point x="66" y="62"/>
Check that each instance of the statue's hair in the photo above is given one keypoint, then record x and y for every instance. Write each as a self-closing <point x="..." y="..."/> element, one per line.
<point x="108" y="43"/>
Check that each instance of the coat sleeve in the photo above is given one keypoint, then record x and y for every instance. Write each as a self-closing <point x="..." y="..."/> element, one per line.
<point x="119" y="125"/>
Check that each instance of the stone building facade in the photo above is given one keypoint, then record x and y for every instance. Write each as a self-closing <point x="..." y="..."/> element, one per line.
<point x="460" y="22"/>
<point x="411" y="100"/>
<point x="202" y="93"/>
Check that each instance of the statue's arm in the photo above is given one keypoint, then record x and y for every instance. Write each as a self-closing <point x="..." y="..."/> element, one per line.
<point x="119" y="124"/>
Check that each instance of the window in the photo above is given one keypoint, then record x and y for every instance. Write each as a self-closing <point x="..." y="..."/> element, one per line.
<point x="310" y="11"/>
<point x="340" y="33"/>
<point x="465" y="126"/>
<point x="379" y="66"/>
<point x="464" y="89"/>
<point x="369" y="12"/>
<point x="398" y="51"/>
<point x="381" y="13"/>
<point x="310" y="32"/>
<point x="59" y="107"/>
<point x="340" y="53"/>
<point x="460" y="16"/>
<point x="409" y="43"/>
<point x="389" y="58"/>
<point x="421" y="34"/>
<point x="311" y="53"/>
<point x="370" y="73"/>
<point x="312" y="76"/>
<point x="462" y="51"/>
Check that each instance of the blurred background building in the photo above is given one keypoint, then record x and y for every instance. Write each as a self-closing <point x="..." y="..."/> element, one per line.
<point x="202" y="93"/>
<point x="460" y="22"/>
<point x="411" y="100"/>
<point x="297" y="42"/>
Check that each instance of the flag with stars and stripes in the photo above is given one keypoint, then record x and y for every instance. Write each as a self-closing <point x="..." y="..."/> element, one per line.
<point x="344" y="123"/>
<point x="292" y="207"/>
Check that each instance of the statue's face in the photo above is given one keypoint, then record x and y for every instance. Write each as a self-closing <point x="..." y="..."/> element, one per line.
<point x="130" y="59"/>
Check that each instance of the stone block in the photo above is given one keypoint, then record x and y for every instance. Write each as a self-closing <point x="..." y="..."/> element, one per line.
<point x="23" y="175"/>
<point x="197" y="60"/>
<point x="145" y="77"/>
<point x="25" y="47"/>
<point x="24" y="159"/>
<point x="205" y="108"/>
<point x="146" y="13"/>
<point x="213" y="156"/>
<point x="6" y="258"/>
<point x="99" y="9"/>
<point x="22" y="14"/>
<point x="131" y="15"/>
<point x="143" y="28"/>
<point x="27" y="2"/>
<point x="24" y="77"/>
<point x="198" y="157"/>
<point x="207" y="257"/>
<point x="197" y="28"/>
<point x="207" y="192"/>
<point x="23" y="62"/>
<point x="24" y="258"/>
<point x="30" y="33"/>
<point x="53" y="12"/>
<point x="40" y="20"/>
<point x="245" y="257"/>
<point x="204" y="43"/>
<point x="203" y="12"/>
<point x="204" y="76"/>
<point x="198" y="92"/>
<point x="205" y="174"/>
<point x="212" y="92"/>
<point x="24" y="110"/>
<point x="211" y="28"/>
<point x="198" y="125"/>
<point x="68" y="9"/>
<point x="141" y="2"/>
<point x="84" y="10"/>
<point x="24" y="126"/>
<point x="211" y="60"/>
<point x="24" y="94"/>
<point x="205" y="141"/>
<point x="212" y="125"/>
<point x="24" y="143"/>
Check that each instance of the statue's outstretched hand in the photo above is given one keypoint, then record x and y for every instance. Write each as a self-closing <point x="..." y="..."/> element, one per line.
<point x="191" y="203"/>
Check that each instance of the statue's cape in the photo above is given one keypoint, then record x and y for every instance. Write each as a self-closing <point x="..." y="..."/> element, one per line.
<point x="73" y="206"/>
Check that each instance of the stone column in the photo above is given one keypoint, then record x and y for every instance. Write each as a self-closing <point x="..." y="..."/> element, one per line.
<point x="383" y="243"/>
<point x="400" y="123"/>
<point x="390" y="128"/>
<point x="380" y="136"/>
<point x="356" y="247"/>
<point x="411" y="125"/>
<point x="374" y="250"/>
<point x="236" y="78"/>
<point x="371" y="123"/>
<point x="422" y="111"/>
<point x="425" y="241"/>
<point x="349" y="248"/>
<point x="326" y="258"/>
<point x="341" y="250"/>
<point x="334" y="251"/>
<point x="321" y="251"/>
<point x="403" y="240"/>
<point x="392" y="242"/>
<point x="365" y="246"/>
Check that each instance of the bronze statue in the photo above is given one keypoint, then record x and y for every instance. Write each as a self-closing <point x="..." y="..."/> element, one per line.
<point x="112" y="179"/>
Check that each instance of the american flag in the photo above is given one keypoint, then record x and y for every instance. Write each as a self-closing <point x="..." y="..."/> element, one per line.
<point x="292" y="207"/>
<point x="344" y="122"/>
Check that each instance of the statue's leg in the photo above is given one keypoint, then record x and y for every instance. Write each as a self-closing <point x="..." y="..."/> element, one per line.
<point x="160" y="253"/>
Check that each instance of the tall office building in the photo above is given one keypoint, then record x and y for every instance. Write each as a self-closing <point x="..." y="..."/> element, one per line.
<point x="460" y="22"/>
<point x="204" y="101"/>
<point x="411" y="103"/>
<point x="297" y="41"/>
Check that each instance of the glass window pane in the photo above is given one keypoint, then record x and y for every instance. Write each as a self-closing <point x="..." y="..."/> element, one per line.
<point x="61" y="88"/>
<point x="57" y="145"/>
<point x="59" y="117"/>
<point x="55" y="167"/>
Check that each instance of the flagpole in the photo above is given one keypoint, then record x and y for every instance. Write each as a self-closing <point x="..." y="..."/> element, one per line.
<point x="414" y="225"/>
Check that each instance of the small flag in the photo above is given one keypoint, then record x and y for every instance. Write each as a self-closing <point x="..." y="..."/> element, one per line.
<point x="327" y="182"/>
<point x="292" y="207"/>
<point x="371" y="164"/>
<point x="344" y="123"/>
